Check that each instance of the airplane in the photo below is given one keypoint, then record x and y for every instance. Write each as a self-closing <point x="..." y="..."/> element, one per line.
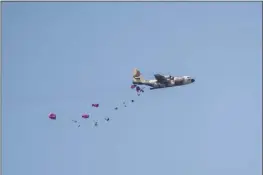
<point x="161" y="81"/>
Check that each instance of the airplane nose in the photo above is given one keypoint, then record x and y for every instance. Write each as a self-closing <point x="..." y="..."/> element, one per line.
<point x="192" y="80"/>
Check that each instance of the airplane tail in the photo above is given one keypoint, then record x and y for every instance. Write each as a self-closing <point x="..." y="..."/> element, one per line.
<point x="137" y="77"/>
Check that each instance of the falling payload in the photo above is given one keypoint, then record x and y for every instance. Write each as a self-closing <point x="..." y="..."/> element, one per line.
<point x="138" y="89"/>
<point x="95" y="105"/>
<point x="124" y="104"/>
<point x="133" y="86"/>
<point x="52" y="116"/>
<point x="85" y="116"/>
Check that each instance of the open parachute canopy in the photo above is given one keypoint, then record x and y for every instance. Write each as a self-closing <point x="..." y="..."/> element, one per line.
<point x="85" y="116"/>
<point x="95" y="105"/>
<point x="133" y="86"/>
<point x="52" y="116"/>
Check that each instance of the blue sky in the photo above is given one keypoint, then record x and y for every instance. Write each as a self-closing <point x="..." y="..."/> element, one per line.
<point x="61" y="57"/>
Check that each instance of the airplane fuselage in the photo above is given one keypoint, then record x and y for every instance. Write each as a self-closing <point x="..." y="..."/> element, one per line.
<point x="170" y="82"/>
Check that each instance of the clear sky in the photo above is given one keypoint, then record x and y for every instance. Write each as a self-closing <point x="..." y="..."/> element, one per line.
<point x="61" y="57"/>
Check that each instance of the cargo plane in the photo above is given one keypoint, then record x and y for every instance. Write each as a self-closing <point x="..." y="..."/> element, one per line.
<point x="161" y="81"/>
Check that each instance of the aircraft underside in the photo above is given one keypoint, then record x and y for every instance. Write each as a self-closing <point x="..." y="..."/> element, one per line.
<point x="159" y="86"/>
<point x="162" y="85"/>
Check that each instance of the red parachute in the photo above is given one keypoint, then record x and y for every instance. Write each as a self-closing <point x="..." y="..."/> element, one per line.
<point x="85" y="116"/>
<point x="133" y="86"/>
<point x="52" y="116"/>
<point x="95" y="105"/>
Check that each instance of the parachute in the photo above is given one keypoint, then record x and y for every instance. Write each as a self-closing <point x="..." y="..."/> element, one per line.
<point x="133" y="86"/>
<point x="52" y="116"/>
<point x="95" y="105"/>
<point x="85" y="116"/>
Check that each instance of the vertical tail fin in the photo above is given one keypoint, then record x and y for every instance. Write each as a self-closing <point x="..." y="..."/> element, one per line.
<point x="137" y="77"/>
<point x="136" y="73"/>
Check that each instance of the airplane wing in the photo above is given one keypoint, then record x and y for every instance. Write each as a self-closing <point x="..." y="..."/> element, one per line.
<point x="160" y="78"/>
